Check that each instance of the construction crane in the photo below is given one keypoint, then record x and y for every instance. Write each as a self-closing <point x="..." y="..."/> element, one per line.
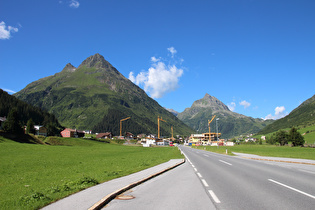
<point x="121" y="123"/>
<point x="209" y="121"/>
<point x="159" y="119"/>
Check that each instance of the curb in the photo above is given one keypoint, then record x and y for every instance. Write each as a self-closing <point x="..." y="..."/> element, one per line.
<point x="104" y="201"/>
<point x="283" y="161"/>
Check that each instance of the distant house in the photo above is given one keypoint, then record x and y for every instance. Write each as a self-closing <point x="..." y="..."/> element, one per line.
<point x="129" y="135"/>
<point x="68" y="132"/>
<point x="40" y="130"/>
<point x="142" y="135"/>
<point x="250" y="139"/>
<point x="107" y="135"/>
<point x="2" y="119"/>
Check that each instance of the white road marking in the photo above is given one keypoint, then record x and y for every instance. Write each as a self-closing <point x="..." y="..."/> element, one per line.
<point x="195" y="169"/>
<point x="214" y="197"/>
<point x="192" y="165"/>
<point x="225" y="162"/>
<point x="199" y="175"/>
<point x="204" y="183"/>
<point x="291" y="188"/>
<point x="206" y="155"/>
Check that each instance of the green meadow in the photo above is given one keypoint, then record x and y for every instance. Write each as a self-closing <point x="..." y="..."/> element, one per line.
<point x="265" y="150"/>
<point x="34" y="175"/>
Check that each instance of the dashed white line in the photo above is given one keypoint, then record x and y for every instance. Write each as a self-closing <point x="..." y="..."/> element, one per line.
<point x="199" y="175"/>
<point x="214" y="197"/>
<point x="206" y="155"/>
<point x="195" y="169"/>
<point x="204" y="183"/>
<point x="225" y="162"/>
<point x="291" y="188"/>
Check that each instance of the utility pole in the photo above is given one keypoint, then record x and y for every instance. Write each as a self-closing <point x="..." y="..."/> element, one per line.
<point x="121" y="123"/>
<point x="159" y="125"/>
<point x="209" y="121"/>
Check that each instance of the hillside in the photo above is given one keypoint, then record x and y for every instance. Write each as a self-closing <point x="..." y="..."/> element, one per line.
<point x="96" y="96"/>
<point x="230" y="124"/>
<point x="303" y="115"/>
<point x="26" y="111"/>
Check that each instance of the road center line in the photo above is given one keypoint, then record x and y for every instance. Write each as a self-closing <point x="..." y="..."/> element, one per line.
<point x="206" y="155"/>
<point x="204" y="183"/>
<point x="225" y="162"/>
<point x="195" y="169"/>
<point x="199" y="175"/>
<point x="214" y="197"/>
<point x="291" y="188"/>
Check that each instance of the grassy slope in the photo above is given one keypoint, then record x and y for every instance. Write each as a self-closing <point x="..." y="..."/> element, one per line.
<point x="35" y="175"/>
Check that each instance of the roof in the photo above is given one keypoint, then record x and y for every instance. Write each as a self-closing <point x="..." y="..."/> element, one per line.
<point x="100" y="135"/>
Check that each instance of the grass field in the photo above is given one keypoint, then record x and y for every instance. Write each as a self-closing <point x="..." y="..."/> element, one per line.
<point x="265" y="150"/>
<point x="34" y="175"/>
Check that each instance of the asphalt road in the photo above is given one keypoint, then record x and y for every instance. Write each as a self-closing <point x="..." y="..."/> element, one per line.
<point x="237" y="183"/>
<point x="213" y="181"/>
<point x="179" y="188"/>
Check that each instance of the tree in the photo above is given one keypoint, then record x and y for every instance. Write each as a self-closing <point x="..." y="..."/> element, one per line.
<point x="12" y="124"/>
<point x="282" y="137"/>
<point x="30" y="126"/>
<point x="296" y="138"/>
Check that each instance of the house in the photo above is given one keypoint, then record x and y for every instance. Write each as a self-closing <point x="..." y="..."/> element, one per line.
<point x="142" y="135"/>
<point x="148" y="142"/>
<point x="162" y="142"/>
<point x="2" y="119"/>
<point x="107" y="135"/>
<point x="68" y="132"/>
<point x="40" y="130"/>
<point x="250" y="139"/>
<point x="129" y="135"/>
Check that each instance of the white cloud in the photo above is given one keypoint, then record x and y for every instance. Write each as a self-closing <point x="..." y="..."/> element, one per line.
<point x="154" y="59"/>
<point x="74" y="4"/>
<point x="232" y="106"/>
<point x="245" y="104"/>
<point x="279" y="113"/>
<point x="172" y="51"/>
<point x="159" y="79"/>
<point x="5" y="32"/>
<point x="9" y="91"/>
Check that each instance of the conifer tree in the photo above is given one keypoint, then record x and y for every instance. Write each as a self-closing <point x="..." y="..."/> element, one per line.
<point x="12" y="124"/>
<point x="296" y="138"/>
<point x="30" y="126"/>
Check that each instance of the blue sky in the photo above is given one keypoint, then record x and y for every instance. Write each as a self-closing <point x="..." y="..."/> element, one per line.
<point x="256" y="56"/>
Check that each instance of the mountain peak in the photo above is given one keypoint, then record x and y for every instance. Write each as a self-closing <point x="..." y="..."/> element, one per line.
<point x="69" y="68"/>
<point x="212" y="102"/>
<point x="97" y="61"/>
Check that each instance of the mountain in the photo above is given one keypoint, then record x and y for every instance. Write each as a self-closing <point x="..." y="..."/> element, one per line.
<point x="96" y="96"/>
<point x="230" y="124"/>
<point x="172" y="111"/>
<point x="303" y="115"/>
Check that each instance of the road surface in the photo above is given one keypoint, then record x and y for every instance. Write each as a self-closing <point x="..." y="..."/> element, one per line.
<point x="214" y="181"/>
<point x="237" y="183"/>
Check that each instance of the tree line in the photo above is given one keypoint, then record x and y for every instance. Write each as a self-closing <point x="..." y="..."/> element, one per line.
<point x="18" y="113"/>
<point x="282" y="137"/>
